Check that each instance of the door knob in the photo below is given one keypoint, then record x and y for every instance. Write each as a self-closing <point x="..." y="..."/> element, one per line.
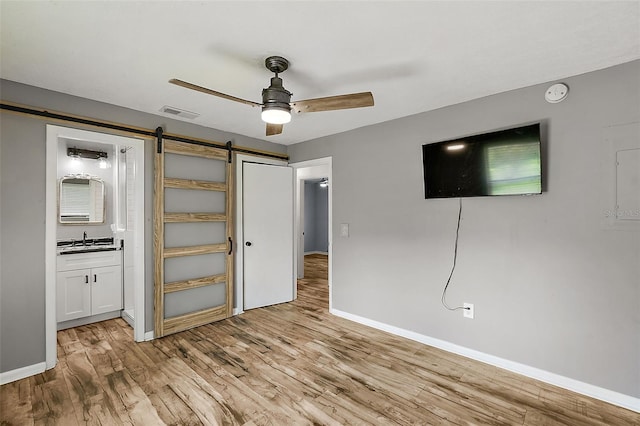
<point x="248" y="244"/>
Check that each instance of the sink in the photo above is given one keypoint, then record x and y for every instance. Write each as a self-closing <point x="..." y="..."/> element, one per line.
<point x="87" y="246"/>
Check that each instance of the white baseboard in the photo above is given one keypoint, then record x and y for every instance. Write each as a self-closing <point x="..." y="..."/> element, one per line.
<point x="612" y="397"/>
<point x="22" y="372"/>
<point x="316" y="252"/>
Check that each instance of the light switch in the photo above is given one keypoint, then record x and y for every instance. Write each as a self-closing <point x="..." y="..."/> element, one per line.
<point x="344" y="230"/>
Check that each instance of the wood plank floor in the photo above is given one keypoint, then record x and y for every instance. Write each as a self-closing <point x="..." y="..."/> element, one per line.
<point x="289" y="364"/>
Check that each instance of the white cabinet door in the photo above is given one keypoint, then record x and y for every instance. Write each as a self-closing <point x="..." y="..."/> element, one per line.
<point x="106" y="289"/>
<point x="73" y="294"/>
<point x="268" y="235"/>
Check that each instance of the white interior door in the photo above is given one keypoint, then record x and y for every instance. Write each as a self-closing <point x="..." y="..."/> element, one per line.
<point x="268" y="235"/>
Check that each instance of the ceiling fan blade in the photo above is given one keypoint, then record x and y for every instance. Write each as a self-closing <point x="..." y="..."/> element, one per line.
<point x="331" y="103"/>
<point x="274" y="129"/>
<point x="211" y="92"/>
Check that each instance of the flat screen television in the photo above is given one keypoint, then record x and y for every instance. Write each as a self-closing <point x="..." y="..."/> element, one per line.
<point x="506" y="162"/>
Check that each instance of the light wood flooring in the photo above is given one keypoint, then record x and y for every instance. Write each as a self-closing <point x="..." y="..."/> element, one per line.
<point x="289" y="364"/>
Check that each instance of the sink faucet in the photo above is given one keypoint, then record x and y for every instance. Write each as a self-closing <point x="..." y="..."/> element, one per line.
<point x="84" y="238"/>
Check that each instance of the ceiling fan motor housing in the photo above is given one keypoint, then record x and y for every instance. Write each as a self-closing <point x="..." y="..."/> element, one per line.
<point x="276" y="96"/>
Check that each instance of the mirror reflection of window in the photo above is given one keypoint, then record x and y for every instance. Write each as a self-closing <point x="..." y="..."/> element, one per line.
<point x="81" y="200"/>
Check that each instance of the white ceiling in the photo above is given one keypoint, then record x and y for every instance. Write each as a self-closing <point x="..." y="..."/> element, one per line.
<point x="414" y="56"/>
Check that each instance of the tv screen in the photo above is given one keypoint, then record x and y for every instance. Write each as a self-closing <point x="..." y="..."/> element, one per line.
<point x="505" y="162"/>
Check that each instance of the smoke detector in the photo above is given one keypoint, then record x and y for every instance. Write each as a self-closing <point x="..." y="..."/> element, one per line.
<point x="556" y="93"/>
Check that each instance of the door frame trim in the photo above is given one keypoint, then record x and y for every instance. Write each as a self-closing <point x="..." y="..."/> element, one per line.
<point x="239" y="225"/>
<point x="53" y="133"/>
<point x="312" y="169"/>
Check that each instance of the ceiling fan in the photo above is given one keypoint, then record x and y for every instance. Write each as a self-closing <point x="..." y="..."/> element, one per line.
<point x="276" y="100"/>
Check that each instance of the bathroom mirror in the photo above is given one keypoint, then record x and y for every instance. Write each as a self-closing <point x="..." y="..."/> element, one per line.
<point x="81" y="200"/>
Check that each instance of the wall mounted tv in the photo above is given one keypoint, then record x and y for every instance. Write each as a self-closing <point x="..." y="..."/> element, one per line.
<point x="506" y="162"/>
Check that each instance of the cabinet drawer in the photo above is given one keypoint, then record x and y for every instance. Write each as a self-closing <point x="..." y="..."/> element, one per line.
<point x="69" y="262"/>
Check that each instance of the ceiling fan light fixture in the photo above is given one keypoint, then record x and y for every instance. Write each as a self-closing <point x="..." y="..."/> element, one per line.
<point x="275" y="103"/>
<point x="276" y="114"/>
<point x="276" y="100"/>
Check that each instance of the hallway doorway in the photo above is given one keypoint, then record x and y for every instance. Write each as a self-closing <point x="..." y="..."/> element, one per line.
<point x="320" y="168"/>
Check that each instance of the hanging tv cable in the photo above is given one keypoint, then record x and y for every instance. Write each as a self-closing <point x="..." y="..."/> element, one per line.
<point x="453" y="267"/>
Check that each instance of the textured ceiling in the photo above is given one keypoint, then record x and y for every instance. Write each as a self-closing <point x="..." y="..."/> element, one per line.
<point x="414" y="56"/>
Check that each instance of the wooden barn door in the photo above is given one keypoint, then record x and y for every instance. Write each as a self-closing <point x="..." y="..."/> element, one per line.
<point x="192" y="236"/>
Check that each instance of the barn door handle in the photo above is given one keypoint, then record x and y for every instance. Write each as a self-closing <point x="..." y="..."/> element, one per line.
<point x="230" y="246"/>
<point x="248" y="244"/>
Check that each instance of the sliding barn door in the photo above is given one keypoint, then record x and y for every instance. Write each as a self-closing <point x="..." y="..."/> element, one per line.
<point x="193" y="236"/>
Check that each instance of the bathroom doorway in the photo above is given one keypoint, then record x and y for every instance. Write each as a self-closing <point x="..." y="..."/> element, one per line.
<point x="117" y="162"/>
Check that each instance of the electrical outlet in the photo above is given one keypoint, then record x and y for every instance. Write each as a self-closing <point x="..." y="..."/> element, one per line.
<point x="468" y="310"/>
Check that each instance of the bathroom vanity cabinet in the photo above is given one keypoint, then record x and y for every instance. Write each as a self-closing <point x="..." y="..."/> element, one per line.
<point x="88" y="284"/>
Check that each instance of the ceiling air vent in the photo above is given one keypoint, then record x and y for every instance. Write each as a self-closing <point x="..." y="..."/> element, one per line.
<point x="179" y="112"/>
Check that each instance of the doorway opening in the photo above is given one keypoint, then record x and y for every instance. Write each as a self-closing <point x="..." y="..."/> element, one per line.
<point x="313" y="179"/>
<point x="315" y="218"/>
<point x="116" y="236"/>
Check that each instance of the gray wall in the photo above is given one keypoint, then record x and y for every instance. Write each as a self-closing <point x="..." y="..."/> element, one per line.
<point x="316" y="219"/>
<point x="552" y="287"/>
<point x="22" y="209"/>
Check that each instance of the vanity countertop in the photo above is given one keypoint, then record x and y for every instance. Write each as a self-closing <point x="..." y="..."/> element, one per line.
<point x="87" y="245"/>
<point x="86" y="249"/>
